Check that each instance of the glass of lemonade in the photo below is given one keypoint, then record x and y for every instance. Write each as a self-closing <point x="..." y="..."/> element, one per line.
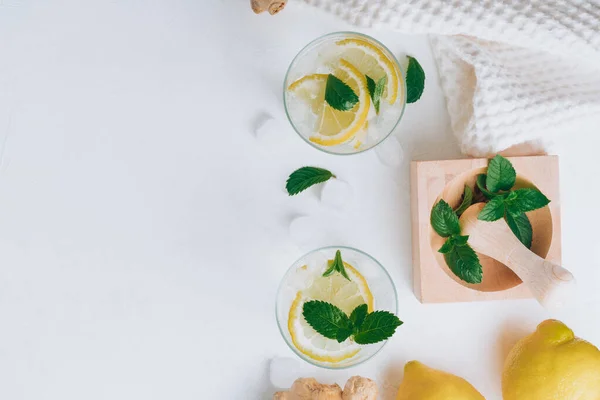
<point x="367" y="283"/>
<point x="329" y="116"/>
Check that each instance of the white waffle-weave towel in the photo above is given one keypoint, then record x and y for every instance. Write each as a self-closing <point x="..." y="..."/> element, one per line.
<point x="513" y="71"/>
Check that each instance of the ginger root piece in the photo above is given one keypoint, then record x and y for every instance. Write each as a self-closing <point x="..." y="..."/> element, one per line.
<point x="359" y="388"/>
<point x="310" y="389"/>
<point x="272" y="6"/>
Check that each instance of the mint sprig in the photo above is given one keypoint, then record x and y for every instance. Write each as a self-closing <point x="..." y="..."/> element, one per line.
<point x="366" y="328"/>
<point x="500" y="175"/>
<point x="339" y="95"/>
<point x="415" y="80"/>
<point x="464" y="263"/>
<point x="444" y="220"/>
<point x="305" y="177"/>
<point x="460" y="257"/>
<point x="525" y="200"/>
<point x="493" y="210"/>
<point x="358" y="315"/>
<point x="481" y="179"/>
<point x="512" y="205"/>
<point x="521" y="227"/>
<point x="327" y="319"/>
<point x="376" y="90"/>
<point x="452" y="242"/>
<point x="377" y="326"/>
<point x="467" y="200"/>
<point x="337" y="265"/>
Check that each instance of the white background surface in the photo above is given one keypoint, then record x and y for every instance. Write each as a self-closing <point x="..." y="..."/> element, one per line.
<point x="144" y="229"/>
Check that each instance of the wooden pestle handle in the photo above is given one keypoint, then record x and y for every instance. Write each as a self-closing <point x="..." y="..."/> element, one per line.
<point x="550" y="283"/>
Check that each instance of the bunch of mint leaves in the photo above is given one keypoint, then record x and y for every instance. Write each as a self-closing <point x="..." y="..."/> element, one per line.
<point x="330" y="321"/>
<point x="507" y="203"/>
<point x="365" y="327"/>
<point x="460" y="257"/>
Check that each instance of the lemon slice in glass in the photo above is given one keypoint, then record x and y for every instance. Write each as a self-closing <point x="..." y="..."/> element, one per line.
<point x="334" y="126"/>
<point x="370" y="60"/>
<point x="311" y="89"/>
<point x="337" y="290"/>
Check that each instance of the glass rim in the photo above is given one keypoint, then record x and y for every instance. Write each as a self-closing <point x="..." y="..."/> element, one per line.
<point x="402" y="78"/>
<point x="279" y="322"/>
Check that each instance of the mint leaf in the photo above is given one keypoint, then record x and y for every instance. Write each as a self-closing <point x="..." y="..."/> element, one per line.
<point x="303" y="178"/>
<point x="337" y="265"/>
<point x="376" y="90"/>
<point x="358" y="315"/>
<point x="448" y="246"/>
<point x="500" y="174"/>
<point x="525" y="200"/>
<point x="326" y="319"/>
<point x="464" y="263"/>
<point x="371" y="86"/>
<point x="521" y="227"/>
<point x="452" y="241"/>
<point x="493" y="210"/>
<point x="379" y="88"/>
<point x="467" y="200"/>
<point x="510" y="197"/>
<point x="343" y="334"/>
<point x="481" y="178"/>
<point x="377" y="326"/>
<point x="339" y="95"/>
<point x="332" y="323"/>
<point x="460" y="240"/>
<point x="415" y="80"/>
<point x="444" y="220"/>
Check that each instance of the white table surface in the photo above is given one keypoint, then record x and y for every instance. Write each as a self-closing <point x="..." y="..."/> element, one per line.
<point x="144" y="228"/>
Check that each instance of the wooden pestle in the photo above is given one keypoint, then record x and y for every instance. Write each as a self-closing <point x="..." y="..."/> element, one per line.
<point x="550" y="283"/>
<point x="272" y="6"/>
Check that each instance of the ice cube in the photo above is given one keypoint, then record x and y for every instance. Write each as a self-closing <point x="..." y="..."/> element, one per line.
<point x="305" y="232"/>
<point x="267" y="129"/>
<point x="313" y="232"/>
<point x="390" y="152"/>
<point x="337" y="193"/>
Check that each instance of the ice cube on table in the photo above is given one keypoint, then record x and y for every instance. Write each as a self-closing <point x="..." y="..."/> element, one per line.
<point x="312" y="232"/>
<point x="268" y="130"/>
<point x="337" y="193"/>
<point x="306" y="232"/>
<point x="390" y="152"/>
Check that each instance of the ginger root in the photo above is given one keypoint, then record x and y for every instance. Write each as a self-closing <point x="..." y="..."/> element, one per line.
<point x="357" y="388"/>
<point x="310" y="389"/>
<point x="273" y="6"/>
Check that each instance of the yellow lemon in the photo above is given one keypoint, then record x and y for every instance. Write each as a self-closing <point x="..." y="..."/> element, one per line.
<point x="423" y="383"/>
<point x="552" y="364"/>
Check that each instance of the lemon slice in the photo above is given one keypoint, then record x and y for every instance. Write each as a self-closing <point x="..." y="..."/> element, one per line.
<point x="336" y="290"/>
<point x="372" y="61"/>
<point x="311" y="89"/>
<point x="336" y="127"/>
